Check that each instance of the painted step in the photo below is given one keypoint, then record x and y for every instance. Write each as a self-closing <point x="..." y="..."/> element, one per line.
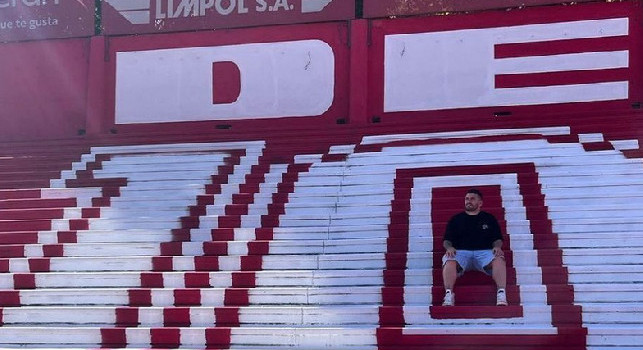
<point x="37" y="203"/>
<point x="141" y="337"/>
<point x="235" y="261"/>
<point x="616" y="295"/>
<point x="275" y="278"/>
<point x="297" y="316"/>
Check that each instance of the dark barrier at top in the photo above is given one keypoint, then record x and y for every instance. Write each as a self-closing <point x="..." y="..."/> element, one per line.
<point x="45" y="19"/>
<point x="387" y="8"/>
<point x="152" y="16"/>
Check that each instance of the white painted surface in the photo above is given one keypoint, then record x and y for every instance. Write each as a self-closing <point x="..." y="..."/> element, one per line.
<point x="308" y="6"/>
<point x="281" y="79"/>
<point x="457" y="69"/>
<point x="547" y="131"/>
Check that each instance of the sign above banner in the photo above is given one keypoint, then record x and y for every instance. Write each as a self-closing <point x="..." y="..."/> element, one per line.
<point x="157" y="16"/>
<point x="45" y="19"/>
<point x="388" y="8"/>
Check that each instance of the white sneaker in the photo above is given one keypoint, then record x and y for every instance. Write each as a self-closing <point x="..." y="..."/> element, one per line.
<point x="449" y="298"/>
<point x="501" y="298"/>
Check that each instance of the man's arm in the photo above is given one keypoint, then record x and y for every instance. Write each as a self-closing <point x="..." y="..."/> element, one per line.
<point x="447" y="242"/>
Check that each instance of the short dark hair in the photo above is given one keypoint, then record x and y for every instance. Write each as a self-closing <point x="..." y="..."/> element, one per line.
<point x="475" y="191"/>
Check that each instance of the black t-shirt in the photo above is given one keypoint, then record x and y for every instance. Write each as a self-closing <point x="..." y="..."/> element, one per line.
<point x="473" y="232"/>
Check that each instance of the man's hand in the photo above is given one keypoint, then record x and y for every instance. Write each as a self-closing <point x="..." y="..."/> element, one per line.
<point x="450" y="253"/>
<point x="497" y="249"/>
<point x="448" y="247"/>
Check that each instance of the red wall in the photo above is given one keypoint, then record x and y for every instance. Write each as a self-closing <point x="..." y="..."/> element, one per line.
<point x="54" y="89"/>
<point x="164" y="19"/>
<point x="387" y="8"/>
<point x="43" y="88"/>
<point x="53" y="19"/>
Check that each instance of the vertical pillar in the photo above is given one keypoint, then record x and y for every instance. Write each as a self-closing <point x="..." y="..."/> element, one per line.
<point x="96" y="113"/>
<point x="358" y="83"/>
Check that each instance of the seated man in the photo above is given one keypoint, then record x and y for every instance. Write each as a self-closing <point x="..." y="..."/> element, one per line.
<point x="473" y="242"/>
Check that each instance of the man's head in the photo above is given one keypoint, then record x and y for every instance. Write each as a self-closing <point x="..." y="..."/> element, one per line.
<point x="473" y="201"/>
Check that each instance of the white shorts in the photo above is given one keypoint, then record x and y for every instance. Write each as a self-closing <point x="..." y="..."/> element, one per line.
<point x="472" y="260"/>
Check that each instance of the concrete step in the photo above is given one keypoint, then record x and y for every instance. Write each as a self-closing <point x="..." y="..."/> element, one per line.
<point x="294" y="316"/>
<point x="29" y="193"/>
<point x="37" y="203"/>
<point x="179" y="279"/>
<point x="142" y="337"/>
<point x="98" y="243"/>
<point x="194" y="296"/>
<point x="280" y="278"/>
<point x="267" y="316"/>
<point x="235" y="260"/>
<point x="599" y="296"/>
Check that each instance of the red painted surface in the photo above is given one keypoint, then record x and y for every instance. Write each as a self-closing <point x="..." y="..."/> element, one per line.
<point x="53" y="250"/>
<point x="227" y="82"/>
<point x="506" y="81"/>
<point x="162" y="263"/>
<point x="559" y="47"/>
<point x="229" y="14"/>
<point x="67" y="237"/>
<point x="387" y="8"/>
<point x="113" y="337"/>
<point x="10" y="298"/>
<point x="96" y="106"/>
<point x="37" y="20"/>
<point x="24" y="281"/>
<point x="197" y="280"/>
<point x="140" y="297"/>
<point x="358" y="75"/>
<point x="43" y="89"/>
<point x="127" y="317"/>
<point x="227" y="316"/>
<point x="176" y="317"/>
<point x="187" y="297"/>
<point x="39" y="264"/>
<point x="151" y="280"/>
<point x="165" y="338"/>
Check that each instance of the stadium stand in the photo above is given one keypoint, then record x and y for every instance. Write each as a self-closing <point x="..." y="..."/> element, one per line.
<point x="240" y="245"/>
<point x="167" y="181"/>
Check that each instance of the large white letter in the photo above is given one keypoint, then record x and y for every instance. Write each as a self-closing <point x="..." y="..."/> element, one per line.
<point x="283" y="79"/>
<point x="458" y="69"/>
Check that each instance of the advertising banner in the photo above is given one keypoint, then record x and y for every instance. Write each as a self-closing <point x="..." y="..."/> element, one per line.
<point x="578" y="57"/>
<point x="156" y="16"/>
<point x="387" y="8"/>
<point x="45" y="19"/>
<point x="291" y="72"/>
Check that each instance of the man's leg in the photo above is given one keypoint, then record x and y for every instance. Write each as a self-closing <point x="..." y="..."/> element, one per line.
<point x="449" y="274"/>
<point x="499" y="274"/>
